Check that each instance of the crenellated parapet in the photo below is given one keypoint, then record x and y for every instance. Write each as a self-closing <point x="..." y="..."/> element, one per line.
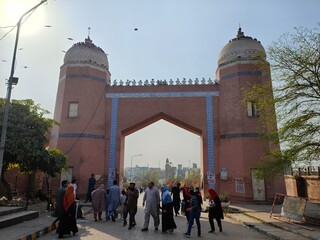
<point x="160" y="82"/>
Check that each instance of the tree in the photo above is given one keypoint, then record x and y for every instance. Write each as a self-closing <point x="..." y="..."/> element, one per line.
<point x="193" y="179"/>
<point x="295" y="65"/>
<point x="53" y="162"/>
<point x="150" y="176"/>
<point x="26" y="141"/>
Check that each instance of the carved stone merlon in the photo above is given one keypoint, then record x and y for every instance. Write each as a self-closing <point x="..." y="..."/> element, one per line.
<point x="164" y="82"/>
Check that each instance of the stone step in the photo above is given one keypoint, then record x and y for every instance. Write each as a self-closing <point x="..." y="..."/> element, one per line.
<point x="17" y="217"/>
<point x="9" y="210"/>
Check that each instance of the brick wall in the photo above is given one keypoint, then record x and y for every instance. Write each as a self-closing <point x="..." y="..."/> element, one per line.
<point x="305" y="186"/>
<point x="313" y="188"/>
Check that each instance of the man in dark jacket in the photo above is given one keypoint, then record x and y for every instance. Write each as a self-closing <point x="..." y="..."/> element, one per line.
<point x="91" y="187"/>
<point x="132" y="202"/>
<point x="175" y="192"/>
<point x="199" y="197"/>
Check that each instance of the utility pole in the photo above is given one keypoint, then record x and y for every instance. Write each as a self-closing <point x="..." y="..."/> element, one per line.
<point x="12" y="81"/>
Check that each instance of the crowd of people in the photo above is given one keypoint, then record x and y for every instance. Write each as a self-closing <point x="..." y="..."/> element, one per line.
<point x="125" y="203"/>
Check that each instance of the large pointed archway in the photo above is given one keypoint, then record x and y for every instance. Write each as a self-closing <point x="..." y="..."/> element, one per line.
<point x="159" y="138"/>
<point x="191" y="110"/>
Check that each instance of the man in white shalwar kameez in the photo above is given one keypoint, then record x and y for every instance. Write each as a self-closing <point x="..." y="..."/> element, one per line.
<point x="151" y="200"/>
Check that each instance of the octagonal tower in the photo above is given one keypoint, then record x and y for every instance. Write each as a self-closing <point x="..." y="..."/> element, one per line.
<point x="242" y="62"/>
<point x="80" y="110"/>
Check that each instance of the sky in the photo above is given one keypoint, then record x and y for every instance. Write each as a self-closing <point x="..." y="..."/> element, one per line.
<point x="175" y="39"/>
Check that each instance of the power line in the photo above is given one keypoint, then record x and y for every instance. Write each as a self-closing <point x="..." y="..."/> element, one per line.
<point x="7" y="33"/>
<point x="13" y="27"/>
<point x="9" y="26"/>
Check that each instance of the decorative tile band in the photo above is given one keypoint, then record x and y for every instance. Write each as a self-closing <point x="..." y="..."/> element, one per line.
<point x="76" y="135"/>
<point x="162" y="94"/>
<point x="239" y="74"/>
<point x="210" y="133"/>
<point x="113" y="141"/>
<point x="76" y="75"/>
<point x="114" y="118"/>
<point x="163" y="82"/>
<point x="240" y="135"/>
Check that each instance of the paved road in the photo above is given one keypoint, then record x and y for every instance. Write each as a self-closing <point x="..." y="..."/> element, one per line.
<point x="114" y="230"/>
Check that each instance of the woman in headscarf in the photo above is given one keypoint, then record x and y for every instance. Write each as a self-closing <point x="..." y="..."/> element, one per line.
<point x="215" y="210"/>
<point x="98" y="202"/>
<point x="67" y="223"/>
<point x="168" y="223"/>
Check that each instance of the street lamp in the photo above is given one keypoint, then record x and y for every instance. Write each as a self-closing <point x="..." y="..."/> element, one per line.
<point x="12" y="81"/>
<point x="138" y="155"/>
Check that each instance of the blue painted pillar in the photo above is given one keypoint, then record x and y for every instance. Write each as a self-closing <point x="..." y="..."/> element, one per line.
<point x="210" y="134"/>
<point x="113" y="141"/>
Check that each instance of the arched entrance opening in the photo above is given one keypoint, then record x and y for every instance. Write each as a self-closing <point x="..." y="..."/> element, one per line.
<point x="162" y="149"/>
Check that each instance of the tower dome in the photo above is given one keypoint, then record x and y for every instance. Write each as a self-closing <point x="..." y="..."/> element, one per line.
<point x="241" y="48"/>
<point x="86" y="53"/>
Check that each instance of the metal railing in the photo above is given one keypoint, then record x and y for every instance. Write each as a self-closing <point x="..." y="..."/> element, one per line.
<point x="306" y="171"/>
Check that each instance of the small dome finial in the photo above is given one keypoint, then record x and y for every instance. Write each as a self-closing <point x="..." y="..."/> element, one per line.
<point x="89" y="28"/>
<point x="240" y="33"/>
<point x="88" y="40"/>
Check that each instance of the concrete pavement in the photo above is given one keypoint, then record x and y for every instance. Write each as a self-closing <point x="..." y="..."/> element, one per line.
<point x="232" y="230"/>
<point x="258" y="218"/>
<point x="236" y="226"/>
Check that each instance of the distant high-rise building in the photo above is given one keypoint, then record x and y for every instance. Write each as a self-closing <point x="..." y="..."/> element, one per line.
<point x="180" y="171"/>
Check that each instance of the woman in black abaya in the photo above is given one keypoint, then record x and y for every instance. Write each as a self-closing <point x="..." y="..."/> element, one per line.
<point x="168" y="224"/>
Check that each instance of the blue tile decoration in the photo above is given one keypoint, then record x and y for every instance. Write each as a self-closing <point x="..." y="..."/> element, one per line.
<point x="76" y="135"/>
<point x="113" y="140"/>
<point x="87" y="76"/>
<point x="162" y="94"/>
<point x="239" y="74"/>
<point x="210" y="133"/>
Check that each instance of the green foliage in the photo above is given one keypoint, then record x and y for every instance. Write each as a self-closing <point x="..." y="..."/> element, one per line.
<point x="193" y="178"/>
<point x="53" y="161"/>
<point x="150" y="176"/>
<point x="295" y="64"/>
<point x="224" y="197"/>
<point x="26" y="139"/>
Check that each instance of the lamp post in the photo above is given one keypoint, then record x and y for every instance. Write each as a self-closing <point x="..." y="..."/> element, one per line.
<point x="12" y="81"/>
<point x="137" y="155"/>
